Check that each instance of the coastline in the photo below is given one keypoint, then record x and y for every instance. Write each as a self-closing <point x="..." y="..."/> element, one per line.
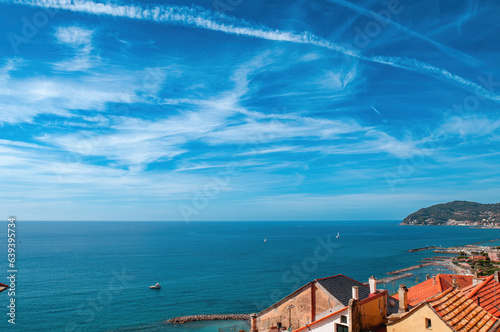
<point x="466" y="225"/>
<point x="442" y="261"/>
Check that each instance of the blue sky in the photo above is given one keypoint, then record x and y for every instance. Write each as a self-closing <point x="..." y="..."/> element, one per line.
<point x="246" y="110"/>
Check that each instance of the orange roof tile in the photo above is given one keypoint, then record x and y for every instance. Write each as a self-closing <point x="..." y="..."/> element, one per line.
<point x="460" y="312"/>
<point x="435" y="285"/>
<point x="461" y="281"/>
<point x="486" y="294"/>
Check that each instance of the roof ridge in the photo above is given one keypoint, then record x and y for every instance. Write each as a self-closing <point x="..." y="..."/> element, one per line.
<point x="438" y="296"/>
<point x="438" y="282"/>
<point x="480" y="286"/>
<point x="337" y="275"/>
<point x="341" y="275"/>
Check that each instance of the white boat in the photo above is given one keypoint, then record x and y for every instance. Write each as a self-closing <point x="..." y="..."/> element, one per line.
<point x="338" y="235"/>
<point x="157" y="286"/>
<point x="265" y="240"/>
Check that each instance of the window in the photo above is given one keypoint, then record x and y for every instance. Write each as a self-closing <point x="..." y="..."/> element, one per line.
<point x="342" y="328"/>
<point x="428" y="323"/>
<point x="343" y="319"/>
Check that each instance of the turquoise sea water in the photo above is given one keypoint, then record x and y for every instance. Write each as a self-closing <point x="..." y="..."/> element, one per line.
<point x="95" y="276"/>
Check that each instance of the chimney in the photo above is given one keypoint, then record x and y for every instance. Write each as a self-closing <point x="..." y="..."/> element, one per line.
<point x="373" y="284"/>
<point x="496" y="276"/>
<point x="476" y="280"/>
<point x="427" y="277"/>
<point x="253" y="323"/>
<point x="355" y="292"/>
<point x="434" y="280"/>
<point x="354" y="316"/>
<point x="403" y="298"/>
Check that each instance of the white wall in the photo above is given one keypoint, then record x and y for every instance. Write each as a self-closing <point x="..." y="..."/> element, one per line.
<point x="328" y="324"/>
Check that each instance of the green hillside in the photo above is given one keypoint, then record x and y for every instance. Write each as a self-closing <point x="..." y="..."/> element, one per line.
<point x="457" y="212"/>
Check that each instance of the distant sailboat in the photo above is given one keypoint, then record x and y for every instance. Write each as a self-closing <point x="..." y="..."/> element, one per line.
<point x="265" y="240"/>
<point x="338" y="235"/>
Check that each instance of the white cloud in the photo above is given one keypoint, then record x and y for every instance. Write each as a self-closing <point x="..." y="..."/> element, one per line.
<point x="20" y="144"/>
<point x="373" y="141"/>
<point x="310" y="57"/>
<point x="282" y="127"/>
<point x="10" y="65"/>
<point x="80" y="40"/>
<point x="74" y="36"/>
<point x="201" y="18"/>
<point x="472" y="126"/>
<point x="274" y="149"/>
<point x="24" y="98"/>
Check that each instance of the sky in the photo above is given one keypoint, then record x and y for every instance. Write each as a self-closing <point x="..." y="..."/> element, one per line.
<point x="246" y="110"/>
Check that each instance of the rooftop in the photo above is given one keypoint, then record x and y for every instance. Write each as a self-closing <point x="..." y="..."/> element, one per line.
<point x="436" y="285"/>
<point x="486" y="294"/>
<point x="460" y="312"/>
<point x="340" y="287"/>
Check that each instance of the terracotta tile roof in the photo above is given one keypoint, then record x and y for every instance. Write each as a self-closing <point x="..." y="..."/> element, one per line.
<point x="486" y="294"/>
<point x="435" y="285"/>
<point x="461" y="313"/>
<point x="461" y="281"/>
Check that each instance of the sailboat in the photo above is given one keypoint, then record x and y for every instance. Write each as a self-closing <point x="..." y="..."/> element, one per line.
<point x="338" y="235"/>
<point x="265" y="240"/>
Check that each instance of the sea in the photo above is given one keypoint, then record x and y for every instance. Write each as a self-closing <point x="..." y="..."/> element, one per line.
<point x="95" y="276"/>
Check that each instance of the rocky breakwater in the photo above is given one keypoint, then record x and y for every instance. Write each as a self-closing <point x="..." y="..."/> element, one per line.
<point x="196" y="318"/>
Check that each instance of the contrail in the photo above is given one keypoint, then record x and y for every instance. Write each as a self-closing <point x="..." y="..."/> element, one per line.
<point x="201" y="18"/>
<point x="444" y="48"/>
<point x="376" y="111"/>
